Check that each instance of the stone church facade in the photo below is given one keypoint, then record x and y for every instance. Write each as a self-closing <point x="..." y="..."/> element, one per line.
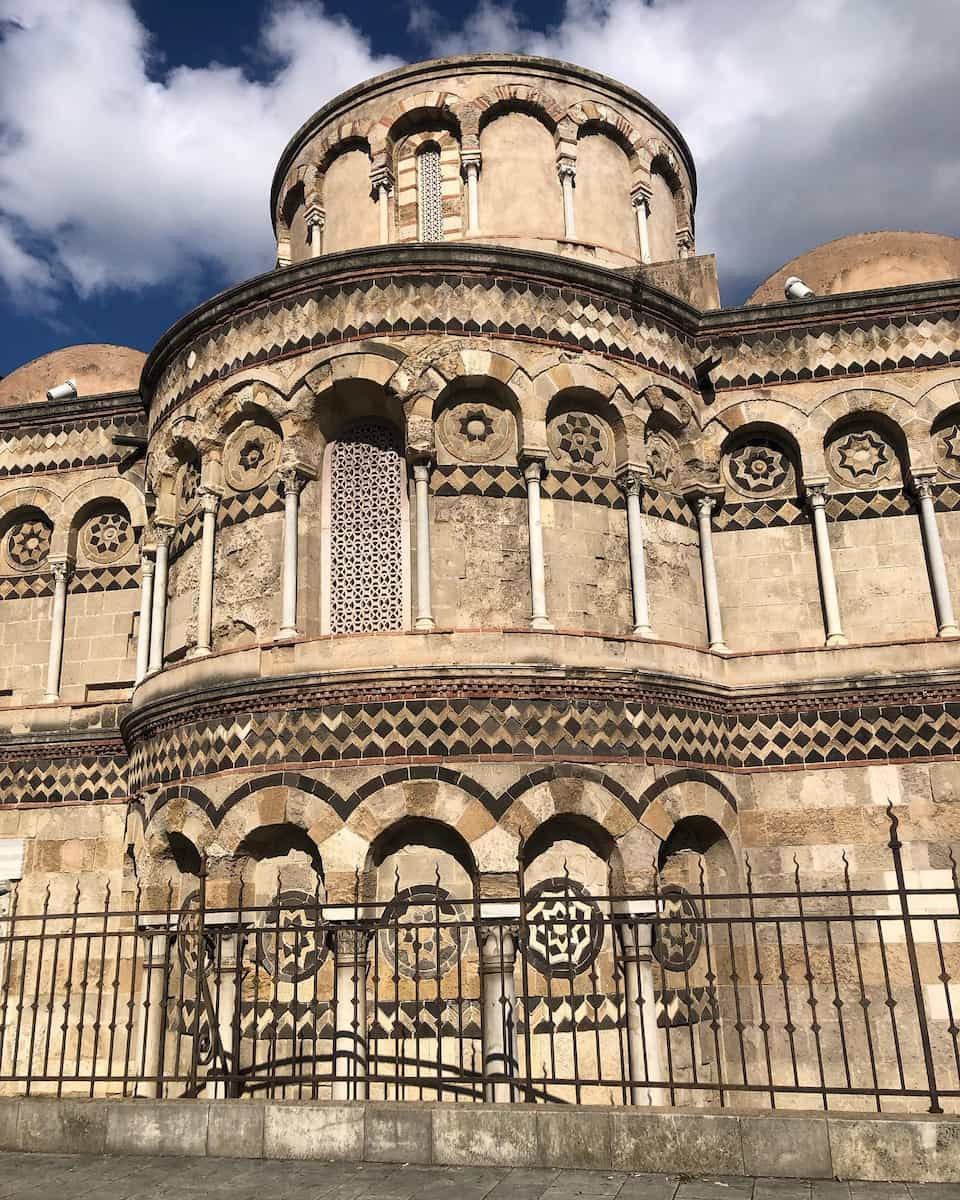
<point x="478" y="538"/>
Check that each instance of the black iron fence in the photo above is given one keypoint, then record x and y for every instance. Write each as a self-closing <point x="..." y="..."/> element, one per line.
<point x="681" y="996"/>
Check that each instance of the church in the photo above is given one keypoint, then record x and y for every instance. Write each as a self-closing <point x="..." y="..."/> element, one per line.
<point x="472" y="596"/>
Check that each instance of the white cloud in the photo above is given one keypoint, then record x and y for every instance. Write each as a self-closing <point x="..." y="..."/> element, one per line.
<point x="121" y="180"/>
<point x="807" y="120"/>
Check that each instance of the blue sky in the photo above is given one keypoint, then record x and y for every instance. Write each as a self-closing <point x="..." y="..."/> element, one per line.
<point x="138" y="137"/>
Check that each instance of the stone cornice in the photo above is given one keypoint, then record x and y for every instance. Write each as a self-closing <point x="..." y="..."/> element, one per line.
<point x="43" y="414"/>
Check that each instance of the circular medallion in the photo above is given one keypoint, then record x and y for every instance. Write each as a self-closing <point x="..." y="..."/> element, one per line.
<point x="580" y="442"/>
<point x="678" y="936"/>
<point x="423" y="933"/>
<point x="759" y="468"/>
<point x="188" y="489"/>
<point x="291" y="941"/>
<point x="27" y="544"/>
<point x="250" y="456"/>
<point x="564" y="928"/>
<point x="863" y="459"/>
<point x="476" y="431"/>
<point x="106" y="537"/>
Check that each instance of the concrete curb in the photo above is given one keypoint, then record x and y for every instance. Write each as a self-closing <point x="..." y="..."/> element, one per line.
<point x="851" y="1146"/>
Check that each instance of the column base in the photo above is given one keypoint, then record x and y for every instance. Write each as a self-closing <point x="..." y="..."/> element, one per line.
<point x="836" y="639"/>
<point x="287" y="635"/>
<point x="541" y="623"/>
<point x="719" y="648"/>
<point x="199" y="652"/>
<point x="642" y="631"/>
<point x="51" y="697"/>
<point x="424" y="624"/>
<point x="948" y="631"/>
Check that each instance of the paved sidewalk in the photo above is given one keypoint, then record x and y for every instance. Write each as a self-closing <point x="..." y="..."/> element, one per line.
<point x="63" y="1177"/>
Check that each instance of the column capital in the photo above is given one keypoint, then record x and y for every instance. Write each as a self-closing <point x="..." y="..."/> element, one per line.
<point x="315" y="215"/>
<point x="381" y="178"/>
<point x="815" y="490"/>
<point x="631" y="480"/>
<point x="61" y="568"/>
<point x="567" y="168"/>
<point x="162" y="535"/>
<point x="421" y="469"/>
<point x="705" y="498"/>
<point x="350" y="942"/>
<point x="641" y="193"/>
<point x="470" y="158"/>
<point x="685" y="241"/>
<point x="922" y="482"/>
<point x="148" y="560"/>
<point x="294" y="478"/>
<point x="209" y="499"/>
<point x="533" y="465"/>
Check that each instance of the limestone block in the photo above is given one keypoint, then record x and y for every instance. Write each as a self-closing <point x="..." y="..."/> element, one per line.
<point x="401" y="1133"/>
<point x="235" y="1130"/>
<point x="786" y="1147"/>
<point x="498" y="1136"/>
<point x="918" y="1149"/>
<point x="575" y="1137"/>
<point x="686" y="1143"/>
<point x="177" y="1127"/>
<point x="327" y="1132"/>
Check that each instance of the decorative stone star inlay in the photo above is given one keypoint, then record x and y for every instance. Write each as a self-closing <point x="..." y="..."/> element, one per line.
<point x="476" y="425"/>
<point x="863" y="454"/>
<point x="581" y="439"/>
<point x="951" y="442"/>
<point x="758" y="468"/>
<point x="28" y="544"/>
<point x="251" y="454"/>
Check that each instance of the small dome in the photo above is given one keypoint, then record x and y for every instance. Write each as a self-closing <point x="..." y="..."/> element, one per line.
<point x="96" y="369"/>
<point x="862" y="261"/>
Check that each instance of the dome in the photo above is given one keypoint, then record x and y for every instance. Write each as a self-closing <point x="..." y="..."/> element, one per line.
<point x="96" y="369"/>
<point x="862" y="261"/>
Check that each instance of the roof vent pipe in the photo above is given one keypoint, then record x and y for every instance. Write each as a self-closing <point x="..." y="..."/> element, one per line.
<point x="796" y="289"/>
<point x="63" y="391"/>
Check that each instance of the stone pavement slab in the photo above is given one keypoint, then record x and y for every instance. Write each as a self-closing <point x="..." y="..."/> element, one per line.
<point x="114" y="1177"/>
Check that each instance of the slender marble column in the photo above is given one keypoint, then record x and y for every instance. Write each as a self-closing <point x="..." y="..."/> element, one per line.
<point x="532" y="473"/>
<point x="383" y="187"/>
<point x="421" y="478"/>
<point x="498" y="954"/>
<point x="568" y="173"/>
<point x="225" y="995"/>
<point x="631" y="486"/>
<point x="641" y="204"/>
<point x="208" y="546"/>
<point x="292" y="482"/>
<point x="643" y="1037"/>
<point x="711" y="596"/>
<point x="146" y="607"/>
<point x="940" y="586"/>
<point x="60" y="569"/>
<point x="162" y="534"/>
<point x="150" y="1015"/>
<point x="817" y="500"/>
<point x="471" y="169"/>
<point x="350" y="1013"/>
<point x="316" y="221"/>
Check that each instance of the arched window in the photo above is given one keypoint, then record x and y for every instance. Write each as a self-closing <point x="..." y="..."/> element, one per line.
<point x="365" y="499"/>
<point x="429" y="198"/>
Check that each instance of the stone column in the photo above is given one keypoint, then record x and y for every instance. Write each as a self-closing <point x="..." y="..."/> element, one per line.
<point x="150" y="1018"/>
<point x="316" y="221"/>
<point x="382" y="187"/>
<point x="209" y="501"/>
<point x="567" y="170"/>
<point x="350" y="1012"/>
<point x="643" y="1037"/>
<point x="641" y="205"/>
<point x="162" y="534"/>
<point x="61" y="570"/>
<point x="225" y="996"/>
<point x="705" y="504"/>
<point x="471" y="174"/>
<point x="816" y="493"/>
<point x="292" y="481"/>
<point x="146" y="606"/>
<point x="421" y="479"/>
<point x="684" y="242"/>
<point x="498" y="955"/>
<point x="922" y="482"/>
<point x="631" y="485"/>
<point x="532" y="473"/>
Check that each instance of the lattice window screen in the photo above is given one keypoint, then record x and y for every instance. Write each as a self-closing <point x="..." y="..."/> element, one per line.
<point x="430" y="200"/>
<point x="366" y="531"/>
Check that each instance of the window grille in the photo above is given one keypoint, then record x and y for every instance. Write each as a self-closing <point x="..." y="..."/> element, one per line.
<point x="430" y="201"/>
<point x="366" y="576"/>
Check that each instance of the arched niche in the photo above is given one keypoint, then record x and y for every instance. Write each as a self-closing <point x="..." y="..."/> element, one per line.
<point x="604" y="213"/>
<point x="662" y="222"/>
<point x="865" y="451"/>
<point x="349" y="209"/>
<point x="476" y="421"/>
<point x="520" y="195"/>
<point x="279" y="860"/>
